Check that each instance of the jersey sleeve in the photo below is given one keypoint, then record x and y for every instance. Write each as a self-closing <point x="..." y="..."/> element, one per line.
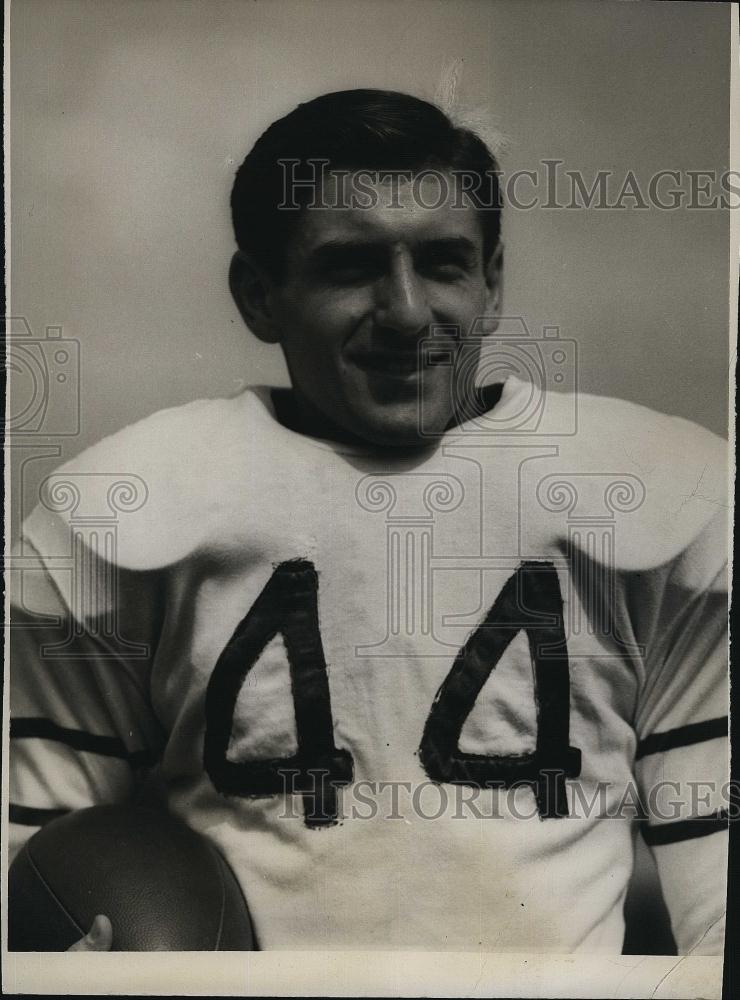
<point x="681" y="761"/>
<point x="83" y="632"/>
<point x="88" y="579"/>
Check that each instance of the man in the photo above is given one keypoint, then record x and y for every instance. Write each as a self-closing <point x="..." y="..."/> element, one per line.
<point x="406" y="646"/>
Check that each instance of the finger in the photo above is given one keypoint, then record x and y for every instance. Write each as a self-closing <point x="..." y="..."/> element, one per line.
<point x="98" y="938"/>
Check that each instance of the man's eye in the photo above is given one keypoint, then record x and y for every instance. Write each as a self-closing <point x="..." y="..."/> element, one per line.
<point x="444" y="270"/>
<point x="351" y="273"/>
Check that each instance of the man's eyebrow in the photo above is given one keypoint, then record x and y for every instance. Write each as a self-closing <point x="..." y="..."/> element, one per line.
<point x="460" y="246"/>
<point x="335" y="248"/>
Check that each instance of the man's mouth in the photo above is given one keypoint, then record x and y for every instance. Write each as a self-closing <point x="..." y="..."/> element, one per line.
<point x="389" y="364"/>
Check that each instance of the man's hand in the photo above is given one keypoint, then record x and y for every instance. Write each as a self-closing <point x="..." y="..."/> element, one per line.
<point x="98" y="938"/>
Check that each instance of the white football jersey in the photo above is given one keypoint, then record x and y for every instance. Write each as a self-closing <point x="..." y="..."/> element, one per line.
<point x="418" y="699"/>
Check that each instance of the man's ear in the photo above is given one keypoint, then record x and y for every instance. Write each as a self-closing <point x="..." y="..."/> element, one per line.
<point x="250" y="287"/>
<point x="494" y="272"/>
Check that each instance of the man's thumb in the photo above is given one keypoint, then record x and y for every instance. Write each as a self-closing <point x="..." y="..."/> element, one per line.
<point x="98" y="938"/>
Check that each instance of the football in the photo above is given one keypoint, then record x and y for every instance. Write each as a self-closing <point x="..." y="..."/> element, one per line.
<point x="163" y="886"/>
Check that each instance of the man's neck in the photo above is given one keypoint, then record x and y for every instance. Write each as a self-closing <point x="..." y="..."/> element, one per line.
<point x="298" y="414"/>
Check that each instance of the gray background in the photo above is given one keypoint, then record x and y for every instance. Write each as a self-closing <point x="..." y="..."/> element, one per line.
<point x="129" y="118"/>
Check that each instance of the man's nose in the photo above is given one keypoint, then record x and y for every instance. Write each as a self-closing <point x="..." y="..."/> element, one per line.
<point x="402" y="303"/>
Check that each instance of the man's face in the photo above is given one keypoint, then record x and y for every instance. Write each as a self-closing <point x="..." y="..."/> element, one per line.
<point x="362" y="289"/>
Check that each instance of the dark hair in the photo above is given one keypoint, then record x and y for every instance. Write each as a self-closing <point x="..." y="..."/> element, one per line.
<point x="376" y="130"/>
